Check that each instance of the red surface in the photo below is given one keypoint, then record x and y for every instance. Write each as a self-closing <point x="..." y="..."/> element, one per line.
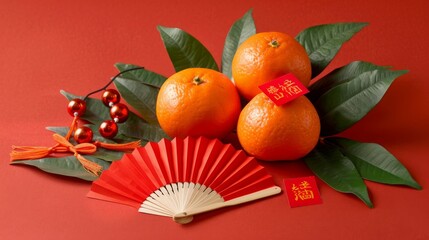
<point x="46" y="46"/>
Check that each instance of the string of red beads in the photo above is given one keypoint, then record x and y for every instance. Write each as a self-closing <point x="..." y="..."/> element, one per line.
<point x="108" y="129"/>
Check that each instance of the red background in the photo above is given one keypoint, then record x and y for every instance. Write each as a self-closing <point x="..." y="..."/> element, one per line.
<point x="47" y="45"/>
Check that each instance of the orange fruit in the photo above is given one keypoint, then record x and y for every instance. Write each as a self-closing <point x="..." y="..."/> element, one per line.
<point x="266" y="56"/>
<point x="271" y="132"/>
<point x="198" y="102"/>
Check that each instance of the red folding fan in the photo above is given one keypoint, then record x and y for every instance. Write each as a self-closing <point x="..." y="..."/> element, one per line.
<point x="184" y="177"/>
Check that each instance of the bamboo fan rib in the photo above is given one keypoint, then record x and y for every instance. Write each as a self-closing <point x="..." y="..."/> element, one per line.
<point x="184" y="177"/>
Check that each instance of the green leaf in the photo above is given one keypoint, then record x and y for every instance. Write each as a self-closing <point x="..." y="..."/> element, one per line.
<point x="141" y="97"/>
<point x="323" y="42"/>
<point x="134" y="127"/>
<point x="108" y="155"/>
<point x="338" y="171"/>
<point x="242" y="29"/>
<point x="352" y="97"/>
<point x="67" y="166"/>
<point x="339" y="76"/>
<point x="185" y="51"/>
<point x="142" y="76"/>
<point x="374" y="162"/>
<point x="142" y="130"/>
<point x="140" y="89"/>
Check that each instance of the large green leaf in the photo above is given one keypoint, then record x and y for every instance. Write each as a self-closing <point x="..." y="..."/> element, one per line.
<point x="374" y="162"/>
<point x="346" y="103"/>
<point x="142" y="76"/>
<point x="339" y="76"/>
<point x="134" y="127"/>
<point x="185" y="51"/>
<point x="142" y="130"/>
<point x="242" y="29"/>
<point x="338" y="171"/>
<point x="323" y="42"/>
<point x="141" y="97"/>
<point x="107" y="155"/>
<point x="67" y="166"/>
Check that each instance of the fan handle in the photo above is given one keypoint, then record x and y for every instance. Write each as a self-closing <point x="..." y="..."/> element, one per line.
<point x="186" y="217"/>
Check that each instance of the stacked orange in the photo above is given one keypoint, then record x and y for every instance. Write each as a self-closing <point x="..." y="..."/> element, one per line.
<point x="204" y="102"/>
<point x="198" y="102"/>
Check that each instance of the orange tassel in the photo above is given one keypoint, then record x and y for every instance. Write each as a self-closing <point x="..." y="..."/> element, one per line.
<point x="89" y="166"/>
<point x="124" y="147"/>
<point x="62" y="146"/>
<point x="26" y="152"/>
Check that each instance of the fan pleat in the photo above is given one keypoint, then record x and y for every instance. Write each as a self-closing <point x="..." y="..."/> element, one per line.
<point x="177" y="158"/>
<point x="243" y="181"/>
<point x="147" y="165"/>
<point x="122" y="186"/>
<point x="200" y="148"/>
<point x="188" y="157"/>
<point x="237" y="173"/>
<point x="107" y="195"/>
<point x="154" y="157"/>
<point x="210" y="156"/>
<point x="261" y="184"/>
<point x="236" y="160"/>
<point x="165" y="161"/>
<point x="107" y="187"/>
<point x="128" y="169"/>
<point x="224" y="156"/>
<point x="132" y="191"/>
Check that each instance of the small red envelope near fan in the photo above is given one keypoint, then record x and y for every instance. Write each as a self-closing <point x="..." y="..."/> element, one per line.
<point x="184" y="177"/>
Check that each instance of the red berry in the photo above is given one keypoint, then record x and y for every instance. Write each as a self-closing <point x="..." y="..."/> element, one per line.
<point x="110" y="97"/>
<point x="76" y="107"/>
<point x="108" y="129"/>
<point x="119" y="112"/>
<point x="83" y="135"/>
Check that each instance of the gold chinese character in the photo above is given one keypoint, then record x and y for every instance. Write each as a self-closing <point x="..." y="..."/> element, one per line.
<point x="304" y="185"/>
<point x="272" y="90"/>
<point x="294" y="89"/>
<point x="294" y="187"/>
<point x="290" y="88"/>
<point x="288" y="83"/>
<point x="302" y="192"/>
<point x="279" y="95"/>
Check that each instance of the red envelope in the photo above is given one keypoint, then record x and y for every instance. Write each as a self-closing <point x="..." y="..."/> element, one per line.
<point x="283" y="89"/>
<point x="302" y="191"/>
